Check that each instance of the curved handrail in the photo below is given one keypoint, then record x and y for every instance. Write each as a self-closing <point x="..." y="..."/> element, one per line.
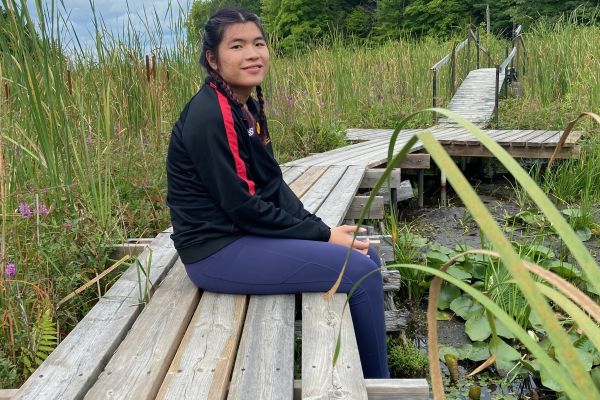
<point x="448" y="56"/>
<point x="509" y="58"/>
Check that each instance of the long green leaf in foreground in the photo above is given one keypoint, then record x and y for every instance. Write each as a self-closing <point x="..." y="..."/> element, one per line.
<point x="546" y="361"/>
<point x="562" y="227"/>
<point x="573" y="363"/>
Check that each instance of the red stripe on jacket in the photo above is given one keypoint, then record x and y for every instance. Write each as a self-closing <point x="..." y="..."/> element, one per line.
<point x="240" y="167"/>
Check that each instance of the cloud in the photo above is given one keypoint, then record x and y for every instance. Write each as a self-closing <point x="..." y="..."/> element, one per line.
<point x="115" y="17"/>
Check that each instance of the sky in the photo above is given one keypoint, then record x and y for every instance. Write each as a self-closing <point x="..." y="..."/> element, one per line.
<point x="115" y="14"/>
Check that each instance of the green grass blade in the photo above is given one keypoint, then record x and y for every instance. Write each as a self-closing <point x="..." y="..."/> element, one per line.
<point x="511" y="260"/>
<point x="546" y="362"/>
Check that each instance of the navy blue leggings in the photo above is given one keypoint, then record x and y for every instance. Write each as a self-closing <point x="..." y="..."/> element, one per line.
<point x="266" y="265"/>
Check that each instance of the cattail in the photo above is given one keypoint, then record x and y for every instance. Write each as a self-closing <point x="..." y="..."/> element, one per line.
<point x="475" y="393"/>
<point x="452" y="364"/>
<point x="147" y="68"/>
<point x="69" y="83"/>
<point x="7" y="92"/>
<point x="154" y="66"/>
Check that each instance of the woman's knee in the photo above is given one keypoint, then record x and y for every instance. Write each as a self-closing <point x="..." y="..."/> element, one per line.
<point x="365" y="270"/>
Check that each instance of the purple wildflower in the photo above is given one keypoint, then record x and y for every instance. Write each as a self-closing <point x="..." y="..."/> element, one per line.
<point x="25" y="210"/>
<point x="43" y="210"/>
<point x="10" y="271"/>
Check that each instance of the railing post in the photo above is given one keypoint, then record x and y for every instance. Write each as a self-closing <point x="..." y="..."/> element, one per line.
<point x="468" y="47"/>
<point x="453" y="71"/>
<point x="504" y="80"/>
<point x="514" y="29"/>
<point x="496" y="93"/>
<point x="434" y="73"/>
<point x="478" y="49"/>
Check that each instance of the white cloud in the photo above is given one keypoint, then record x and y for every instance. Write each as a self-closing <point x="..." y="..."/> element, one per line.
<point x="117" y="16"/>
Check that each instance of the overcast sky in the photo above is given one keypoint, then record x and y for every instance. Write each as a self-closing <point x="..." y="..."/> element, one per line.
<point x="115" y="15"/>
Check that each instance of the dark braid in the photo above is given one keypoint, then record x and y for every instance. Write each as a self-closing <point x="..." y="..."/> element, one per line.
<point x="265" y="137"/>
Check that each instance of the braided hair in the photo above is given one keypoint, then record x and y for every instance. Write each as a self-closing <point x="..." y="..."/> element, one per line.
<point x="214" y="30"/>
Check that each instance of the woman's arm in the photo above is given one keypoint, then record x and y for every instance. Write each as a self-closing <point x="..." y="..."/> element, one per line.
<point x="213" y="147"/>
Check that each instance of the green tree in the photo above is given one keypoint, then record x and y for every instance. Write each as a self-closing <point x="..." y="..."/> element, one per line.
<point x="297" y="22"/>
<point x="202" y="10"/>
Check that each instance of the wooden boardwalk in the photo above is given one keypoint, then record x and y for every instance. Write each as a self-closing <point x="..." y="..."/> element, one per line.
<point x="189" y="344"/>
<point x="475" y="99"/>
<point x="459" y="142"/>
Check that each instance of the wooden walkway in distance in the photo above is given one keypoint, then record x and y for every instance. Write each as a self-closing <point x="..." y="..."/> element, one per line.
<point x="459" y="142"/>
<point x="475" y="98"/>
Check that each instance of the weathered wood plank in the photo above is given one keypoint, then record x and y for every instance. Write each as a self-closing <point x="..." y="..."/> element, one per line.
<point x="320" y="325"/>
<point x="72" y="368"/>
<point x="372" y="175"/>
<point x="293" y="173"/>
<point x="386" y="389"/>
<point x="265" y="361"/>
<point x="317" y="194"/>
<point x="333" y="209"/>
<point x="307" y="179"/>
<point x="202" y="366"/>
<point x="7" y="394"/>
<point x="140" y="363"/>
<point x="416" y="161"/>
<point x="358" y="204"/>
<point x="517" y="152"/>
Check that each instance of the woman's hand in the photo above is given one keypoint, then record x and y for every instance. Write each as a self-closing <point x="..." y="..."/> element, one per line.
<point x="343" y="235"/>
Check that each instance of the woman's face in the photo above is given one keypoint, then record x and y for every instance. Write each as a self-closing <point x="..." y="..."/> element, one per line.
<point x="243" y="58"/>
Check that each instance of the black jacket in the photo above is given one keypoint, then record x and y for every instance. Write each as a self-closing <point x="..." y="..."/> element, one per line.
<point x="223" y="182"/>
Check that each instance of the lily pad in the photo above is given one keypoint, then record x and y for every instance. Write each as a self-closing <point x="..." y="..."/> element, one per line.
<point x="564" y="269"/>
<point x="572" y="212"/>
<point x="459" y="273"/>
<point x="506" y="356"/>
<point x="503" y="331"/>
<point x="447" y="294"/>
<point x="478" y="351"/>
<point x="442" y="249"/>
<point x="436" y="258"/>
<point x="443" y="315"/>
<point x="548" y="381"/>
<point x="536" y="322"/>
<point x="531" y="217"/>
<point x="584" y="234"/>
<point x="465" y="307"/>
<point x="478" y="328"/>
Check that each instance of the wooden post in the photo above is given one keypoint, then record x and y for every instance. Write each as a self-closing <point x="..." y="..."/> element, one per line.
<point x="421" y="187"/>
<point x="478" y="48"/>
<point x="497" y="90"/>
<point x="487" y="19"/>
<point x="434" y="71"/>
<point x="469" y="47"/>
<point x="513" y="43"/>
<point x="505" y="74"/>
<point x="147" y="68"/>
<point x="443" y="189"/>
<point x="453" y="71"/>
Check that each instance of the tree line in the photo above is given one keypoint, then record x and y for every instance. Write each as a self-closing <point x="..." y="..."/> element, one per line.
<point x="294" y="23"/>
